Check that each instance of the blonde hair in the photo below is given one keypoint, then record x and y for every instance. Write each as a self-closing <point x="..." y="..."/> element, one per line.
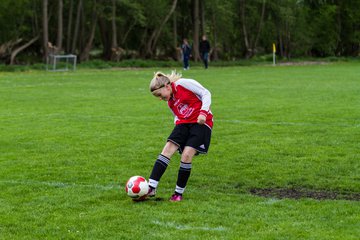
<point x="160" y="80"/>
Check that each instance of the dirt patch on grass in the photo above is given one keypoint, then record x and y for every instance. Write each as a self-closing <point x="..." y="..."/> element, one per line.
<point x="304" y="193"/>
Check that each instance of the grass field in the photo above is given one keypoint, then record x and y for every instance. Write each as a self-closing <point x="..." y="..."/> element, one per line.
<point x="70" y="140"/>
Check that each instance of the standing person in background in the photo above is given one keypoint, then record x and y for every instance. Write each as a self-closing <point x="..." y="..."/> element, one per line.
<point x="186" y="53"/>
<point x="204" y="49"/>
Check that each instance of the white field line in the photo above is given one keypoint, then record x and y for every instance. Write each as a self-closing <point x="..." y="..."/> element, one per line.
<point x="288" y="123"/>
<point x="187" y="227"/>
<point x="119" y="186"/>
<point x="233" y="121"/>
<point x="56" y="184"/>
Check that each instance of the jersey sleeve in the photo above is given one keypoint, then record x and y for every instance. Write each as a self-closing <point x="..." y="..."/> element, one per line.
<point x="202" y="93"/>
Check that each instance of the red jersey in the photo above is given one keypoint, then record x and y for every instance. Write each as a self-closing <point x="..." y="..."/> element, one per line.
<point x="189" y="100"/>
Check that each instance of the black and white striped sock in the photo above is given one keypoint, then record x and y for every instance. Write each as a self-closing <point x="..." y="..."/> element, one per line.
<point x="183" y="177"/>
<point x="158" y="170"/>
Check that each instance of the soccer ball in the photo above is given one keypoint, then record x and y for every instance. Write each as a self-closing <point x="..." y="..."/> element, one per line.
<point x="137" y="187"/>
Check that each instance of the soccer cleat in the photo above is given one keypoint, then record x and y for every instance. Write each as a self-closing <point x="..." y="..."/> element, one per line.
<point x="176" y="198"/>
<point x="151" y="192"/>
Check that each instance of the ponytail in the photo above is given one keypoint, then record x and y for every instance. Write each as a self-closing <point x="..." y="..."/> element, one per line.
<point x="160" y="80"/>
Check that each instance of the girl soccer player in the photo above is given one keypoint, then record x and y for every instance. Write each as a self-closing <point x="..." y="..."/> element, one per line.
<point x="190" y="103"/>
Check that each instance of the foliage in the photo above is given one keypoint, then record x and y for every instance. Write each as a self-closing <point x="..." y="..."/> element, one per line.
<point x="299" y="28"/>
<point x="325" y="30"/>
<point x="15" y="17"/>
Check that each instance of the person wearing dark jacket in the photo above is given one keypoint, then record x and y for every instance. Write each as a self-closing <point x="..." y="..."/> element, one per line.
<point x="186" y="53"/>
<point x="204" y="49"/>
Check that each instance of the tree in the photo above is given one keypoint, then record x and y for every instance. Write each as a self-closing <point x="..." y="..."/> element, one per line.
<point x="325" y="29"/>
<point x="176" y="49"/>
<point x="45" y="29"/>
<point x="348" y="18"/>
<point x="77" y="26"/>
<point x="16" y="32"/>
<point x="105" y="33"/>
<point x="250" y="23"/>
<point x="202" y="18"/>
<point x="114" y="42"/>
<point x="84" y="56"/>
<point x="21" y="48"/>
<point x="152" y="42"/>
<point x="222" y="29"/>
<point x="69" y="27"/>
<point x="141" y="29"/>
<point x="196" y="30"/>
<point x="59" y="40"/>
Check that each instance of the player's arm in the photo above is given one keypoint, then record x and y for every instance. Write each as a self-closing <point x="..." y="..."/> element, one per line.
<point x="203" y="94"/>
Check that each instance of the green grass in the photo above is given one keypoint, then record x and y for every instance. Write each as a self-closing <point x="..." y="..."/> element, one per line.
<point x="70" y="140"/>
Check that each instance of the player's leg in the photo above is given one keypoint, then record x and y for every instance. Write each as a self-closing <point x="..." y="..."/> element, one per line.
<point x="184" y="172"/>
<point x="160" y="166"/>
<point x="206" y="59"/>
<point x="197" y="142"/>
<point x="186" y="62"/>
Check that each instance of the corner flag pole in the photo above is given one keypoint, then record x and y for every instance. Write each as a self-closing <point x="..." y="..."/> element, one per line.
<point x="274" y="51"/>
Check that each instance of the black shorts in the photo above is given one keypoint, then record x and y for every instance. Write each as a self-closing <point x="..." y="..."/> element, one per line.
<point x="193" y="135"/>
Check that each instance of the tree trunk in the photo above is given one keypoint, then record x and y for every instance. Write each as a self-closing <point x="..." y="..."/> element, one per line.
<point x="34" y="20"/>
<point x="45" y="29"/>
<point x="82" y="41"/>
<point x="19" y="49"/>
<point x="84" y="56"/>
<point x="105" y="38"/>
<point x="244" y="27"/>
<point x="281" y="47"/>
<point x="77" y="24"/>
<point x="259" y="28"/>
<point x="60" y="27"/>
<point x="196" y="31"/>
<point x="69" y="37"/>
<point x="143" y="43"/>
<point x="151" y="46"/>
<point x="214" y="49"/>
<point x="251" y="46"/>
<point x="124" y="38"/>
<point x="177" y="54"/>
<point x="202" y="13"/>
<point x="6" y="47"/>
<point x="288" y="55"/>
<point x="163" y="24"/>
<point x="114" y="42"/>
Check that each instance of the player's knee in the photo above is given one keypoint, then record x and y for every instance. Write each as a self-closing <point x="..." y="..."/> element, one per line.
<point x="169" y="149"/>
<point x="166" y="153"/>
<point x="187" y="156"/>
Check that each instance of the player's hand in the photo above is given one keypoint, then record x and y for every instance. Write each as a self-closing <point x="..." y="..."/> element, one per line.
<point x="201" y="119"/>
